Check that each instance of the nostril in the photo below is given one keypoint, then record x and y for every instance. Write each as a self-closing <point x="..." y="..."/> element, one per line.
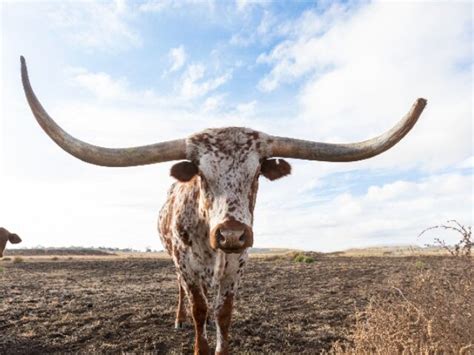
<point x="242" y="238"/>
<point x="220" y="237"/>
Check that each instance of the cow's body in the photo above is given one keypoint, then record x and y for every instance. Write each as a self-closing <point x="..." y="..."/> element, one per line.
<point x="191" y="212"/>
<point x="202" y="271"/>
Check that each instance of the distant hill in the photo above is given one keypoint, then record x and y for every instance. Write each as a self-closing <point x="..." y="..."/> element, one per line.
<point x="269" y="250"/>
<point x="57" y="251"/>
<point x="393" y="250"/>
<point x="400" y="250"/>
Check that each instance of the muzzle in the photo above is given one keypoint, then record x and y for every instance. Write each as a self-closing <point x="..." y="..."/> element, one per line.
<point x="231" y="237"/>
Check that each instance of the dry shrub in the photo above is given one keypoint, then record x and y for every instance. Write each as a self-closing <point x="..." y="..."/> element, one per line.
<point x="430" y="314"/>
<point x="462" y="247"/>
<point x="17" y="260"/>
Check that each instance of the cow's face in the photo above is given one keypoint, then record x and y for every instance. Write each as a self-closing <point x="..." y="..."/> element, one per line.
<point x="227" y="164"/>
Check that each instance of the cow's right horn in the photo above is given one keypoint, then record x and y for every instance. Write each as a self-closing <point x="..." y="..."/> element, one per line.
<point x="301" y="149"/>
<point x="133" y="156"/>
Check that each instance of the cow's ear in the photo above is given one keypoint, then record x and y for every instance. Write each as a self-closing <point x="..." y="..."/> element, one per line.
<point x="14" y="238"/>
<point x="184" y="171"/>
<point x="274" y="169"/>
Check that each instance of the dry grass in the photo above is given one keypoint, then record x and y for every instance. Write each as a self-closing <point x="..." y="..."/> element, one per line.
<point x="395" y="251"/>
<point x="431" y="314"/>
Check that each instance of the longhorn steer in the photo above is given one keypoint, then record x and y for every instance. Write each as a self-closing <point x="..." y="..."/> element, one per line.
<point x="6" y="236"/>
<point x="206" y="222"/>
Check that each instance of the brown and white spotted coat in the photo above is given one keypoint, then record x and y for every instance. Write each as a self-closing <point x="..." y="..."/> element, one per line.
<point x="206" y="222"/>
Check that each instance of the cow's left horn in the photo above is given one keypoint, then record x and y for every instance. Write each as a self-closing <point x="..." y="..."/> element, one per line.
<point x="147" y="154"/>
<point x="301" y="149"/>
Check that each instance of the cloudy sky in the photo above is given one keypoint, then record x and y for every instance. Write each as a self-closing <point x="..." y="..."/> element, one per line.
<point x="130" y="73"/>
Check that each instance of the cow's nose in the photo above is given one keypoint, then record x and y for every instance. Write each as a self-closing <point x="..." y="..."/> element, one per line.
<point x="231" y="238"/>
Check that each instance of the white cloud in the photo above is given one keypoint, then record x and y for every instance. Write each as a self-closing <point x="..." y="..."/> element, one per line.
<point x="393" y="213"/>
<point x="362" y="69"/>
<point x="247" y="108"/>
<point x="102" y="85"/>
<point x="270" y="27"/>
<point x="213" y="103"/>
<point x="193" y="84"/>
<point x="96" y="25"/>
<point x="467" y="164"/>
<point x="245" y="5"/>
<point x="177" y="57"/>
<point x="156" y="5"/>
<point x="106" y="88"/>
<point x="162" y="5"/>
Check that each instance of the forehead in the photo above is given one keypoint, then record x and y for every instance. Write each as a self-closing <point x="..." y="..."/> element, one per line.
<point x="224" y="146"/>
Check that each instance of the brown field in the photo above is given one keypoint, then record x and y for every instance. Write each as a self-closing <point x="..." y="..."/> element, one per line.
<point x="127" y="304"/>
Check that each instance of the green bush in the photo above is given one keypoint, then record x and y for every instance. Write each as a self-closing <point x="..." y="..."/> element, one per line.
<point x="420" y="264"/>
<point x="17" y="260"/>
<point x="301" y="258"/>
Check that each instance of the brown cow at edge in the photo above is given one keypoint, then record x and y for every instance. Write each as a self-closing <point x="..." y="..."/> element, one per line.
<point x="206" y="222"/>
<point x="6" y="236"/>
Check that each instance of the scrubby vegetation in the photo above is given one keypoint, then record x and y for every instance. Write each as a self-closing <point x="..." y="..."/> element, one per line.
<point x="301" y="258"/>
<point x="430" y="313"/>
<point x="433" y="313"/>
<point x="462" y="247"/>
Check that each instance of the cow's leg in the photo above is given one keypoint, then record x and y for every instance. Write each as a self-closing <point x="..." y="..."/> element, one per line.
<point x="232" y="268"/>
<point x="180" y="311"/>
<point x="199" y="311"/>
<point x="209" y="319"/>
<point x="223" y="313"/>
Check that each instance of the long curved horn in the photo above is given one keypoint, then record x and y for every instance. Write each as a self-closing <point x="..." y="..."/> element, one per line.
<point x="147" y="154"/>
<point x="302" y="149"/>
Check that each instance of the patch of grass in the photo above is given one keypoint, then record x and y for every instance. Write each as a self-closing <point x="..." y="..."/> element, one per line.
<point x="1" y="269"/>
<point x="54" y="258"/>
<point x="6" y="258"/>
<point x="420" y="264"/>
<point x="17" y="260"/>
<point x="301" y="258"/>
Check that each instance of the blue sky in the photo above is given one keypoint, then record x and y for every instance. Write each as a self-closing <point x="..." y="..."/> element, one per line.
<point x="125" y="73"/>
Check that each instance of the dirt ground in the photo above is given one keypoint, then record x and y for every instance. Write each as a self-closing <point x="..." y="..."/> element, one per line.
<point x="128" y="305"/>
